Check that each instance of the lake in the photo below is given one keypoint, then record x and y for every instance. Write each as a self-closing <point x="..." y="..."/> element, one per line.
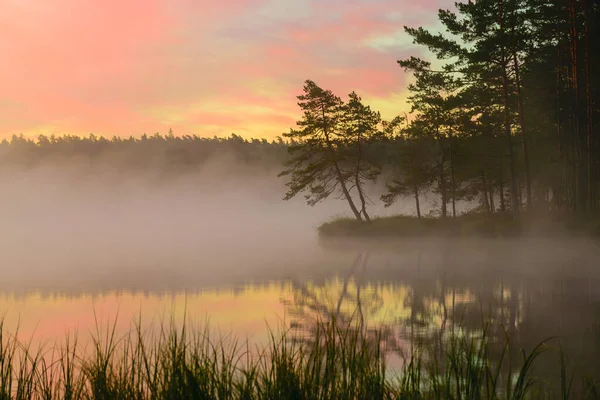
<point x="535" y="288"/>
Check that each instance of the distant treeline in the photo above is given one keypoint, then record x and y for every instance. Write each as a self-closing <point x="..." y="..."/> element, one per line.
<point x="167" y="152"/>
<point x="509" y="112"/>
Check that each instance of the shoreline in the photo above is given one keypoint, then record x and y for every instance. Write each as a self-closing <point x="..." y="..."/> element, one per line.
<point x="470" y="225"/>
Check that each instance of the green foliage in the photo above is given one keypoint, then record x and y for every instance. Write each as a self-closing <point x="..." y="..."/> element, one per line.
<point x="329" y="154"/>
<point x="331" y="360"/>
<point x="361" y="127"/>
<point x="314" y="163"/>
<point x="520" y="68"/>
<point x="506" y="115"/>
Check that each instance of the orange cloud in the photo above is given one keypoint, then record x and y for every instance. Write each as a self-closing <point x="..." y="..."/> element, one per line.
<point x="132" y="66"/>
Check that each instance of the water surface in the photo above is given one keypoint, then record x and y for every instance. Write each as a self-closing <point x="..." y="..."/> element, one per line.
<point x="534" y="288"/>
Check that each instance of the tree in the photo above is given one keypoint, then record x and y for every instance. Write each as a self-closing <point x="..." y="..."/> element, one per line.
<point x="482" y="56"/>
<point x="433" y="99"/>
<point x="361" y="126"/>
<point x="412" y="162"/>
<point x="314" y="166"/>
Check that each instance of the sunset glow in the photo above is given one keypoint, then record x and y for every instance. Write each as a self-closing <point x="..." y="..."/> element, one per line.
<point x="198" y="67"/>
<point x="247" y="312"/>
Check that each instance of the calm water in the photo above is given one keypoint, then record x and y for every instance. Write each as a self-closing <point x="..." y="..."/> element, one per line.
<point x="535" y="288"/>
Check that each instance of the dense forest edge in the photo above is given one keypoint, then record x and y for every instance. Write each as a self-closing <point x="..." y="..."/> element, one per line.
<point x="505" y="115"/>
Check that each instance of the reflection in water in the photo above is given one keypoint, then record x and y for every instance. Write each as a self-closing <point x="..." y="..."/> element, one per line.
<point x="427" y="301"/>
<point x="418" y="292"/>
<point x="344" y="301"/>
<point x="244" y="310"/>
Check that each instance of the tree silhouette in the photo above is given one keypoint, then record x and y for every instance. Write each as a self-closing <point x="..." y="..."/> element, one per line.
<point x="316" y="162"/>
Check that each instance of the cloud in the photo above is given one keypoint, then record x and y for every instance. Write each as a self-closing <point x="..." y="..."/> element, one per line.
<point x="132" y="66"/>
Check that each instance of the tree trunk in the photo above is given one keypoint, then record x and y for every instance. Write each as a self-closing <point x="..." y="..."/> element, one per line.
<point x="523" y="133"/>
<point x="442" y="183"/>
<point x="588" y="98"/>
<point x="415" y="189"/>
<point x="501" y="184"/>
<point x="492" y="204"/>
<point x="485" y="192"/>
<point x="343" y="185"/>
<point x="579" y="144"/>
<point x="514" y="195"/>
<point x="363" y="205"/>
<point x="358" y="183"/>
<point x="561" y="195"/>
<point x="452" y="182"/>
<point x="417" y="203"/>
<point x="338" y="171"/>
<point x="514" y="187"/>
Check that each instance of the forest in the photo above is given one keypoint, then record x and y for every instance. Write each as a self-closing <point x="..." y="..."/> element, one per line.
<point x="170" y="152"/>
<point x="505" y="114"/>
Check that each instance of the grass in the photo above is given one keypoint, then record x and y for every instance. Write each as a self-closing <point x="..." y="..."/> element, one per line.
<point x="403" y="225"/>
<point x="468" y="224"/>
<point x="331" y="361"/>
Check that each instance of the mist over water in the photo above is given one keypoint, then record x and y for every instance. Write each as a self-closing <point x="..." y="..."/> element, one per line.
<point x="88" y="222"/>
<point x="220" y="242"/>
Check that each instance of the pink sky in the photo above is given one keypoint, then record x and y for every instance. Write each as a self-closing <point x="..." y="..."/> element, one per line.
<point x="127" y="67"/>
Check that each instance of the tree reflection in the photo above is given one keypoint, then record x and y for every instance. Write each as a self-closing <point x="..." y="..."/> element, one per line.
<point x="421" y="299"/>
<point x="349" y="300"/>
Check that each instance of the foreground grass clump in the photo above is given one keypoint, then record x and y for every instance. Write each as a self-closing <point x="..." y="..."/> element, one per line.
<point x="469" y="224"/>
<point x="330" y="360"/>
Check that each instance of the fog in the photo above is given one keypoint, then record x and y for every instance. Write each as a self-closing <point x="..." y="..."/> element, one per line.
<point x="76" y="226"/>
<point x="72" y="222"/>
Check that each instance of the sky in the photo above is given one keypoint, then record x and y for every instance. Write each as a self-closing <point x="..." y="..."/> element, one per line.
<point x="204" y="67"/>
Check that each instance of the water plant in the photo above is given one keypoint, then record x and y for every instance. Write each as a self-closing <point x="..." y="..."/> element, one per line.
<point x="327" y="360"/>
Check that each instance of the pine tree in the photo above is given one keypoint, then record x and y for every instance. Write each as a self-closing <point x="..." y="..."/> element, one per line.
<point x="433" y="100"/>
<point x="482" y="55"/>
<point x="361" y="126"/>
<point x="412" y="161"/>
<point x="315" y="163"/>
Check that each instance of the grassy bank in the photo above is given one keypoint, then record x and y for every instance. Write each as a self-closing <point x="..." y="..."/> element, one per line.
<point x="329" y="361"/>
<point x="471" y="224"/>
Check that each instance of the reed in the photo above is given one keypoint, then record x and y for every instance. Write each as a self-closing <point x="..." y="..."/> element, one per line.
<point x="331" y="360"/>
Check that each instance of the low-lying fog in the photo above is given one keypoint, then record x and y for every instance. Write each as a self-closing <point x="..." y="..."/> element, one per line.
<point x="83" y="223"/>
<point x="77" y="228"/>
<point x="98" y="239"/>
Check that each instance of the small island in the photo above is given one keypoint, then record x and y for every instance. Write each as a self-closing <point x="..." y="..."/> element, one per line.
<point x="465" y="225"/>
